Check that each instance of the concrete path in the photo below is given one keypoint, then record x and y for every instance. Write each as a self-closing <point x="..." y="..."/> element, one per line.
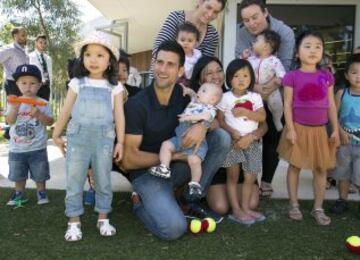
<point x="120" y="183"/>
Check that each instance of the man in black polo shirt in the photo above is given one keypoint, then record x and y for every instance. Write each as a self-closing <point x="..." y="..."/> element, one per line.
<point x="151" y="118"/>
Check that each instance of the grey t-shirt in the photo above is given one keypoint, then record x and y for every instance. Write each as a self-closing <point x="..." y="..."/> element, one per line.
<point x="28" y="134"/>
<point x="245" y="40"/>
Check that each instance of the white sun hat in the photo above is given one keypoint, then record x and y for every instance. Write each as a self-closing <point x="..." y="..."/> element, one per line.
<point x="97" y="37"/>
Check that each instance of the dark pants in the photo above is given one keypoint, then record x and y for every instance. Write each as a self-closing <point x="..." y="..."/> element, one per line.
<point x="270" y="143"/>
<point x="11" y="88"/>
<point x="44" y="91"/>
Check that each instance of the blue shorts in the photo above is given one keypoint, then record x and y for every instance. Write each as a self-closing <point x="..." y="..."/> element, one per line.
<point x="35" y="162"/>
<point x="347" y="164"/>
<point x="177" y="140"/>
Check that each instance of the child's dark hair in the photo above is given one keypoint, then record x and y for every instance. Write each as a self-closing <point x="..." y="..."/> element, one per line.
<point x="300" y="39"/>
<point x="273" y="39"/>
<point x="355" y="58"/>
<point x="236" y="65"/>
<point x="124" y="61"/>
<point x="189" y="28"/>
<point x="172" y="46"/>
<point x="111" y="74"/>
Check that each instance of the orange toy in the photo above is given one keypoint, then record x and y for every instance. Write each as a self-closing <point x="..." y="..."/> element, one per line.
<point x="30" y="101"/>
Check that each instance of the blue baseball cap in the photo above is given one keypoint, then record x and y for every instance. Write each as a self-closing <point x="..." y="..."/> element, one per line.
<point x="27" y="70"/>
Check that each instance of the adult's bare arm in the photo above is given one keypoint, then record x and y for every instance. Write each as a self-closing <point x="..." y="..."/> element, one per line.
<point x="134" y="158"/>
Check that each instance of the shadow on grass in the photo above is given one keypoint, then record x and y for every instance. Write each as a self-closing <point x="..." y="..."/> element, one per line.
<point x="37" y="232"/>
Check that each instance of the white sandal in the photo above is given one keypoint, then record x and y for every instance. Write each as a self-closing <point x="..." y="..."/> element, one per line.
<point x="73" y="232"/>
<point x="105" y="228"/>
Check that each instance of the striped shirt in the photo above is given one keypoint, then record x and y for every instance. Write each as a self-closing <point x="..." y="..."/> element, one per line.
<point x="170" y="28"/>
<point x="12" y="56"/>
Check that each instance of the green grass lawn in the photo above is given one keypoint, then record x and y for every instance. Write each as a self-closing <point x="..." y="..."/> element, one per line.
<point x="37" y="232"/>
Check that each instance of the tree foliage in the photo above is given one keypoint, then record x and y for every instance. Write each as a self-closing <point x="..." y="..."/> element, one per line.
<point x="59" y="20"/>
<point x="5" y="33"/>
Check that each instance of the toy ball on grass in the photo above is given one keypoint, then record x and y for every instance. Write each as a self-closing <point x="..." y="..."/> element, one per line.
<point x="353" y="244"/>
<point x="195" y="226"/>
<point x="206" y="225"/>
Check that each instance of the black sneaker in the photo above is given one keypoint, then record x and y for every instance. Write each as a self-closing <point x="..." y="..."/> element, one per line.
<point x="160" y="171"/>
<point x="194" y="191"/>
<point x="196" y="210"/>
<point x="339" y="207"/>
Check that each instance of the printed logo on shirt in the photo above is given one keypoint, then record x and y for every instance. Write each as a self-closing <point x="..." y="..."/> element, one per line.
<point x="244" y="103"/>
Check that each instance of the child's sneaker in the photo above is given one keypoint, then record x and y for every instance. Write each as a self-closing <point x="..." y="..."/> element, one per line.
<point x="161" y="171"/>
<point x="16" y="198"/>
<point x="42" y="198"/>
<point x="194" y="191"/>
<point x="339" y="207"/>
<point x="89" y="197"/>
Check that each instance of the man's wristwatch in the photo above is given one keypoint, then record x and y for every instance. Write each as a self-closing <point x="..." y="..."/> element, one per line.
<point x="206" y="123"/>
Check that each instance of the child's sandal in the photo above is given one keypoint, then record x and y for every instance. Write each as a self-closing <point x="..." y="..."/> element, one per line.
<point x="295" y="213"/>
<point x="73" y="232"/>
<point x="105" y="228"/>
<point x="320" y="217"/>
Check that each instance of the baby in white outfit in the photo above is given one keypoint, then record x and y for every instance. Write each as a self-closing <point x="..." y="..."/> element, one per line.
<point x="266" y="66"/>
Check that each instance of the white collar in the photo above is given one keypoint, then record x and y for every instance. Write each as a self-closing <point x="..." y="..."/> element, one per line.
<point x="39" y="53"/>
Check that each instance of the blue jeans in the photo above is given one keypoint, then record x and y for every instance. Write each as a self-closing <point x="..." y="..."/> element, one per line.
<point x="158" y="209"/>
<point x="80" y="152"/>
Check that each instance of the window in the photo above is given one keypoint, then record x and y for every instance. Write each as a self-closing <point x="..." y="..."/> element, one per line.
<point x="334" y="22"/>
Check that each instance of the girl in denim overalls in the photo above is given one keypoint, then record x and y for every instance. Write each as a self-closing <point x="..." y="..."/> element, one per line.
<point x="94" y="101"/>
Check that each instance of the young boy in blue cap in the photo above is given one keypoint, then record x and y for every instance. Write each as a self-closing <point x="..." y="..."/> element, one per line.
<point x="28" y="136"/>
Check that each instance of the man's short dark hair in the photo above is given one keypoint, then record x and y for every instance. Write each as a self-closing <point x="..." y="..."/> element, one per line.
<point x="16" y="30"/>
<point x="172" y="46"/>
<point x="41" y="36"/>
<point x="189" y="28"/>
<point x="273" y="38"/>
<point x="247" y="3"/>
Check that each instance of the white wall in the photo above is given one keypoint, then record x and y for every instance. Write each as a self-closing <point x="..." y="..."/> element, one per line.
<point x="231" y="14"/>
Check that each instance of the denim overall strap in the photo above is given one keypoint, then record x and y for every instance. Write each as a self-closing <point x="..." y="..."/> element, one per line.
<point x="93" y="105"/>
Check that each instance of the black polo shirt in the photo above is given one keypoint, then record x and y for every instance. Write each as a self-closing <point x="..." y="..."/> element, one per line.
<point x="156" y="123"/>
